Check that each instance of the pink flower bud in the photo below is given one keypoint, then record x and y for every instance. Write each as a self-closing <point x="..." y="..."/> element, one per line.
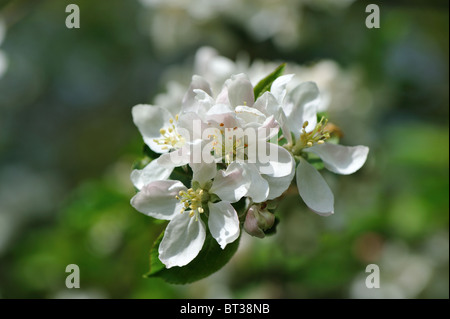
<point x="258" y="220"/>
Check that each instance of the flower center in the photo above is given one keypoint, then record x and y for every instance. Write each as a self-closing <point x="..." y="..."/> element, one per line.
<point x="170" y="137"/>
<point x="229" y="144"/>
<point x="192" y="201"/>
<point x="317" y="136"/>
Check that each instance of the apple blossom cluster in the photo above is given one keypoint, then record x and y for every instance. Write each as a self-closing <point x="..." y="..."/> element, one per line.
<point x="243" y="145"/>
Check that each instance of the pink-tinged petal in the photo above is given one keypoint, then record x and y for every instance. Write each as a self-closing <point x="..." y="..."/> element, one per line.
<point x="149" y="119"/>
<point x="240" y="90"/>
<point x="269" y="129"/>
<point x="222" y="97"/>
<point x="158" y="200"/>
<point x="278" y="88"/>
<point x="223" y="223"/>
<point x="258" y="220"/>
<point x="150" y="173"/>
<point x="183" y="239"/>
<point x="341" y="159"/>
<point x="230" y="185"/>
<point x="222" y="116"/>
<point x="314" y="190"/>
<point x="190" y="100"/>
<point x="251" y="224"/>
<point x="300" y="106"/>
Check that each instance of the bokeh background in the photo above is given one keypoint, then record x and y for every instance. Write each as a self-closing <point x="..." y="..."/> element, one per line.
<point x="67" y="143"/>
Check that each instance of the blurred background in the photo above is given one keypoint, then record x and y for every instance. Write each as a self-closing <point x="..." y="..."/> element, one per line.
<point x="67" y="143"/>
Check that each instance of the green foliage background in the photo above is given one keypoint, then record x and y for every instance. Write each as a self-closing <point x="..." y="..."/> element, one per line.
<point x="67" y="143"/>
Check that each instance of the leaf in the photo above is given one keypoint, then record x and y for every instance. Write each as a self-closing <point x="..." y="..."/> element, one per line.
<point x="265" y="84"/>
<point x="147" y="156"/>
<point x="210" y="259"/>
<point x="315" y="161"/>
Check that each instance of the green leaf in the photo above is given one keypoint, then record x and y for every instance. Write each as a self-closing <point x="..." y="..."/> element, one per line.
<point x="147" y="156"/>
<point x="265" y="84"/>
<point x="315" y="161"/>
<point x="210" y="259"/>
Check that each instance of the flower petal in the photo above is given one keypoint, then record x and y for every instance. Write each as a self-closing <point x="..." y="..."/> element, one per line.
<point x="183" y="239"/>
<point x="313" y="189"/>
<point x="221" y="115"/>
<point x="157" y="199"/>
<point x="203" y="102"/>
<point x="282" y="120"/>
<point x="230" y="185"/>
<point x="152" y="172"/>
<point x="259" y="187"/>
<point x="203" y="172"/>
<point x="269" y="129"/>
<point x="190" y="125"/>
<point x="278" y="185"/>
<point x="191" y="100"/>
<point x="267" y="104"/>
<point x="274" y="160"/>
<point x="249" y="114"/>
<point x="278" y="88"/>
<point x="341" y="159"/>
<point x="240" y="90"/>
<point x="223" y="223"/>
<point x="300" y="106"/>
<point x="149" y="119"/>
<point x="175" y="158"/>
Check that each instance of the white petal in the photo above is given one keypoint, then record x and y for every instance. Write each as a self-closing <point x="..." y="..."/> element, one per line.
<point x="313" y="189"/>
<point x="157" y="199"/>
<point x="190" y="99"/>
<point x="183" y="239"/>
<point x="301" y="105"/>
<point x="278" y="88"/>
<point x="267" y="104"/>
<point x="230" y="185"/>
<point x="274" y="160"/>
<point x="259" y="187"/>
<point x="175" y="158"/>
<point x="278" y="185"/>
<point x="191" y="125"/>
<point x="341" y="159"/>
<point x="149" y="119"/>
<point x="203" y="102"/>
<point x="223" y="223"/>
<point x="282" y="120"/>
<point x="220" y="109"/>
<point x="240" y="90"/>
<point x="249" y="114"/>
<point x="152" y="172"/>
<point x="203" y="172"/>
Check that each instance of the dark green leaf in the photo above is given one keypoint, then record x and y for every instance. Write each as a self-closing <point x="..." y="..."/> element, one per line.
<point x="265" y="84"/>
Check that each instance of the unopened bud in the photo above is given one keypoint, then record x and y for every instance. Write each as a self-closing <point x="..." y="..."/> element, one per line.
<point x="258" y="220"/>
